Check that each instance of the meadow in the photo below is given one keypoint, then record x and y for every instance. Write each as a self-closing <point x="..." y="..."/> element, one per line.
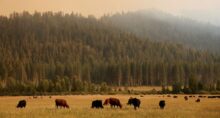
<point x="80" y="107"/>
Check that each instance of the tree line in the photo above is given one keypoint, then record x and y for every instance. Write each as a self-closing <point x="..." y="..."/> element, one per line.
<point x="57" y="52"/>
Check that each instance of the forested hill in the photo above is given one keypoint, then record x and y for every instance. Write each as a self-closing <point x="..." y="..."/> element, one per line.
<point x="56" y="52"/>
<point x="160" y="26"/>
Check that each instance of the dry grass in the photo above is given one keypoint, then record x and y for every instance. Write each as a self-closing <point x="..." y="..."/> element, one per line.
<point x="142" y="88"/>
<point x="80" y="108"/>
<point x="145" y="88"/>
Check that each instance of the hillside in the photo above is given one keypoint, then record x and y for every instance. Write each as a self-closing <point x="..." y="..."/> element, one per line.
<point x="56" y="52"/>
<point x="159" y="26"/>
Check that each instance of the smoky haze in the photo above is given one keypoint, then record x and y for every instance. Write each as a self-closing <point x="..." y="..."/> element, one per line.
<point x="201" y="10"/>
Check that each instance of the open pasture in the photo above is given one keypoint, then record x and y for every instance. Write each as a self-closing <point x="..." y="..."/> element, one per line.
<point x="80" y="107"/>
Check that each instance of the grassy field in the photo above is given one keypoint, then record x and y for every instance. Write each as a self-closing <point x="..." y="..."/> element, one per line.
<point x="142" y="88"/>
<point x="80" y="107"/>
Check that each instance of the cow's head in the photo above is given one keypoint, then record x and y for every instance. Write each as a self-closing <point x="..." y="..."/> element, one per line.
<point x="130" y="101"/>
<point x="106" y="102"/>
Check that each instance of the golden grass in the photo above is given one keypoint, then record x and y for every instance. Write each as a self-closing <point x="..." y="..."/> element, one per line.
<point x="80" y="107"/>
<point x="143" y="88"/>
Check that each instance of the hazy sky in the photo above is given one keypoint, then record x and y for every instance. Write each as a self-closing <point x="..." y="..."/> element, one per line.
<point x="203" y="10"/>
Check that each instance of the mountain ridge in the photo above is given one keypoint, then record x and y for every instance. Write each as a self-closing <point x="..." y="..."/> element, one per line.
<point x="160" y="26"/>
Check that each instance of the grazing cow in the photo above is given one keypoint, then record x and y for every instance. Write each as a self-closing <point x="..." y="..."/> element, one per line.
<point x="35" y="97"/>
<point x="61" y="103"/>
<point x="135" y="102"/>
<point x="198" y="100"/>
<point x="162" y="104"/>
<point x="168" y="95"/>
<point x="175" y="96"/>
<point x="186" y="98"/>
<point x="97" y="104"/>
<point x="113" y="102"/>
<point x="211" y="96"/>
<point x="21" y="104"/>
<point x="202" y="96"/>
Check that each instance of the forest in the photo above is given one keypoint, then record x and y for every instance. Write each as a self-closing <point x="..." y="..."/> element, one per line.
<point x="56" y="52"/>
<point x="173" y="29"/>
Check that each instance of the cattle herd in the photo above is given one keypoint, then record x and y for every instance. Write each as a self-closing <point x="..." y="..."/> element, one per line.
<point x="113" y="102"/>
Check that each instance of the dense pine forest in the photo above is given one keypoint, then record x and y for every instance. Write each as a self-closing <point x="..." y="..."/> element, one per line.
<point x="56" y="52"/>
<point x="159" y="26"/>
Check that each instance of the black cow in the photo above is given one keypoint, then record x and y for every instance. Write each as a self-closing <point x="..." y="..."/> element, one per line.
<point x="21" y="104"/>
<point x="162" y="104"/>
<point x="97" y="104"/>
<point x="135" y="102"/>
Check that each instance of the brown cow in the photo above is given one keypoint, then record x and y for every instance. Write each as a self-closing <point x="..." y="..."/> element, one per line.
<point x="186" y="98"/>
<point x="61" y="103"/>
<point x="113" y="102"/>
<point x="198" y="100"/>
